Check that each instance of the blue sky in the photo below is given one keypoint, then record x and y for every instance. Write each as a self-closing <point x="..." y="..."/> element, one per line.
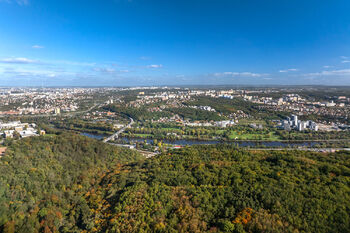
<point x="158" y="42"/>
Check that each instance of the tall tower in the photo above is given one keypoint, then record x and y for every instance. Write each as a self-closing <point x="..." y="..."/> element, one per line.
<point x="295" y="120"/>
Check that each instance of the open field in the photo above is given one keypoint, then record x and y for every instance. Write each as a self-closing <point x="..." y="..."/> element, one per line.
<point x="254" y="136"/>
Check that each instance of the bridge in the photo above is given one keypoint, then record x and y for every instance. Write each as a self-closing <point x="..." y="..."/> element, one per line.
<point x="116" y="135"/>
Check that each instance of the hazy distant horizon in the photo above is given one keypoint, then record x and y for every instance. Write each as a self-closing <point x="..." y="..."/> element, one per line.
<point x="190" y="86"/>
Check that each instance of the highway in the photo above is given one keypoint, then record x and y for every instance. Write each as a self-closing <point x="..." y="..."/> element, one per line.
<point x="116" y="135"/>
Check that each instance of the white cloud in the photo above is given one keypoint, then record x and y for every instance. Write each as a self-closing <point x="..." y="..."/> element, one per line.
<point x="344" y="72"/>
<point x="239" y="74"/>
<point x="345" y="59"/>
<point x="109" y="70"/>
<point x="72" y="63"/>
<point x="37" y="47"/>
<point x="104" y="70"/>
<point x="155" y="66"/>
<point x="145" y="58"/>
<point x="22" y="2"/>
<point x="327" y="67"/>
<point x="25" y="67"/>
<point x="18" y="60"/>
<point x="288" y="70"/>
<point x="34" y="73"/>
<point x="19" y="2"/>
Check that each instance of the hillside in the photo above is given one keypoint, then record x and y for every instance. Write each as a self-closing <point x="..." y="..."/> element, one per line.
<point x="70" y="183"/>
<point x="221" y="189"/>
<point x="43" y="180"/>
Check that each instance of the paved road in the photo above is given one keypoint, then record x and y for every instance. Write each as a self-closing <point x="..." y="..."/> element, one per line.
<point x="147" y="154"/>
<point x="116" y="135"/>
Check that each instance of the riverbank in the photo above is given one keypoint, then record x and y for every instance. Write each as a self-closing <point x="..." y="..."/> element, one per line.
<point x="240" y="143"/>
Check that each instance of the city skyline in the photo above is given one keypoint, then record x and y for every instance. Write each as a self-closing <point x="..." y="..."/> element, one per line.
<point x="145" y="43"/>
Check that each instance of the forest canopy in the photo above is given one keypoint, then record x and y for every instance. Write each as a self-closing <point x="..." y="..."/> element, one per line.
<point x="69" y="183"/>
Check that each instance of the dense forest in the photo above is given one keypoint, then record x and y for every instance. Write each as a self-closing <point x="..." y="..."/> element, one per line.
<point x="43" y="181"/>
<point x="69" y="183"/>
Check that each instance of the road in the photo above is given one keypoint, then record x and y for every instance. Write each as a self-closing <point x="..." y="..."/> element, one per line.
<point x="147" y="154"/>
<point x="116" y="135"/>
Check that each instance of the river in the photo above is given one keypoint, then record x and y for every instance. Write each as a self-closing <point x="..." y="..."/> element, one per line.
<point x="185" y="142"/>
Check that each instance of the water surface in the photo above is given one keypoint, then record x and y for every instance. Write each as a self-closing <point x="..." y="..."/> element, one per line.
<point x="186" y="142"/>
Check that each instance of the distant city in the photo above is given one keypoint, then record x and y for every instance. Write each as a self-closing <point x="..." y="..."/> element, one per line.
<point x="191" y="107"/>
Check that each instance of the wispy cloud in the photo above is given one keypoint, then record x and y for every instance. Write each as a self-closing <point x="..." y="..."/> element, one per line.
<point x="145" y="58"/>
<point x="72" y="63"/>
<point x="289" y="70"/>
<point x="109" y="70"/>
<point x="18" y="60"/>
<point x="19" y="72"/>
<point x="104" y="70"/>
<point x="38" y="47"/>
<point x="327" y="67"/>
<point x="155" y="66"/>
<point x="239" y="74"/>
<point x="31" y="69"/>
<point x="345" y="59"/>
<point x="343" y="72"/>
<point x="22" y="2"/>
<point x="19" y="2"/>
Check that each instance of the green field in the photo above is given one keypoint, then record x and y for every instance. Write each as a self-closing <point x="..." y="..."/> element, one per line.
<point x="49" y="135"/>
<point x="254" y="136"/>
<point x="143" y="135"/>
<point x="251" y="121"/>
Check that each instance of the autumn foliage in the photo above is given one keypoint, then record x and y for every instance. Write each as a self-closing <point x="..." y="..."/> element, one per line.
<point x="70" y="183"/>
